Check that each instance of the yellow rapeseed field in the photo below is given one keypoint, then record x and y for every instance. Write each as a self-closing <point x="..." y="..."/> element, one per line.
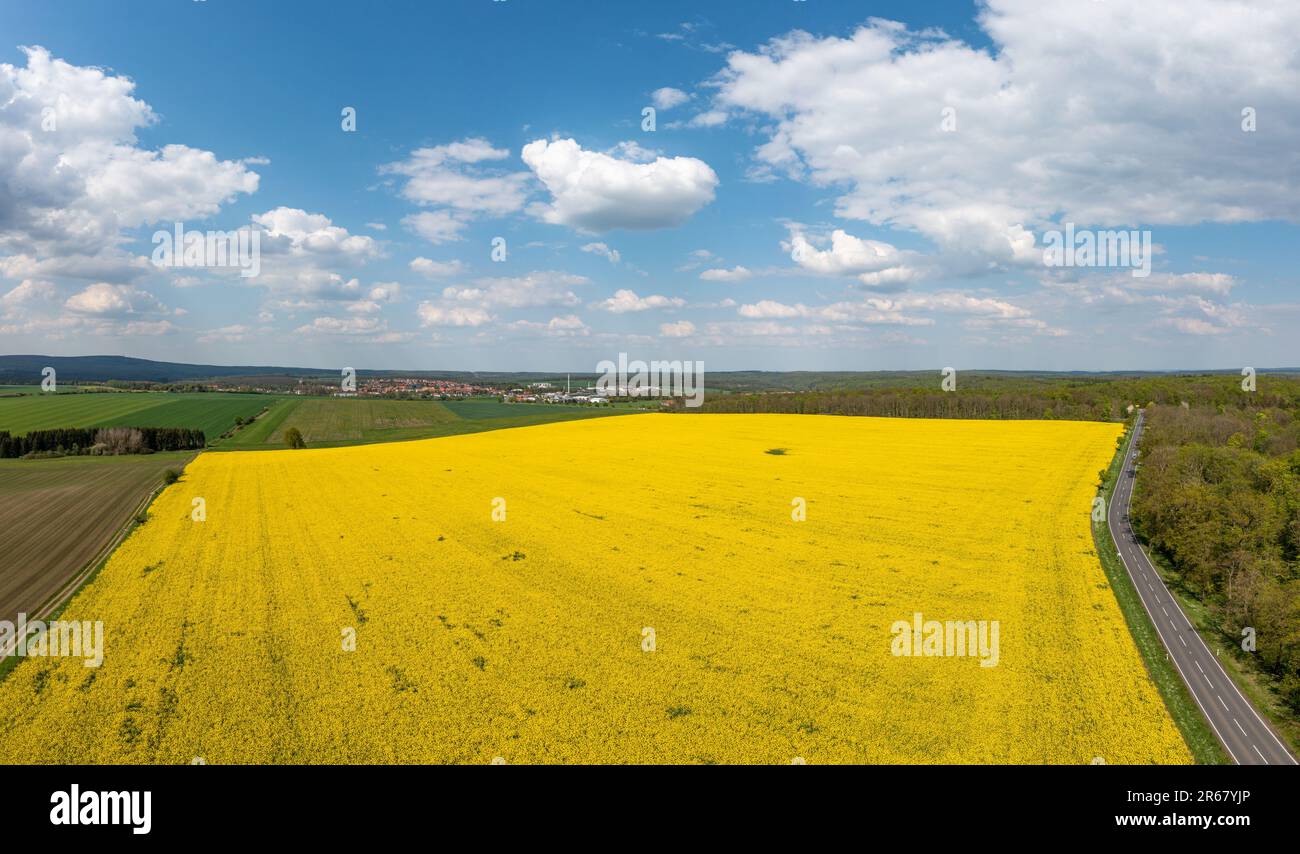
<point x="648" y="597"/>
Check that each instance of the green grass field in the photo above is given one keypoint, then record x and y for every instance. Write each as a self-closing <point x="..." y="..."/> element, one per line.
<point x="331" y="421"/>
<point x="323" y="421"/>
<point x="213" y="413"/>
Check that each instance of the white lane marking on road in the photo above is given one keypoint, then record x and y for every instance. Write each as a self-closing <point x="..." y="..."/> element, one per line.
<point x="1196" y="697"/>
<point x="1251" y="706"/>
<point x="1233" y="684"/>
<point x="1162" y="608"/>
<point x="1239" y="726"/>
<point x="1261" y="756"/>
<point x="1221" y="703"/>
<point x="1198" y="666"/>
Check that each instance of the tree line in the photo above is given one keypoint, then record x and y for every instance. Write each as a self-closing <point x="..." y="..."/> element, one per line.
<point x="1106" y="397"/>
<point x="917" y="403"/>
<point x="100" y="441"/>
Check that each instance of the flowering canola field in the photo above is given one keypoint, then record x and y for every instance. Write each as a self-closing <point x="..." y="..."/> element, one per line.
<point x="642" y="593"/>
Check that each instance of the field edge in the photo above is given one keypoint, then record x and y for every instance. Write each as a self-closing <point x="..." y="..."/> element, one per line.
<point x="89" y="571"/>
<point x="1196" y="733"/>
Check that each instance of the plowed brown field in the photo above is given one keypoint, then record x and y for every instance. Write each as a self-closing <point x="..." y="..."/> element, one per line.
<point x="56" y="515"/>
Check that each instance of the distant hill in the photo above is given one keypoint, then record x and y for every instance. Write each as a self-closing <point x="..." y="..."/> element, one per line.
<point x="26" y="370"/>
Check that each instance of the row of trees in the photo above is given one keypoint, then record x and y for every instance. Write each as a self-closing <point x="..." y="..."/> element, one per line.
<point x="101" y="440"/>
<point x="915" y="403"/>
<point x="147" y="385"/>
<point x="993" y="395"/>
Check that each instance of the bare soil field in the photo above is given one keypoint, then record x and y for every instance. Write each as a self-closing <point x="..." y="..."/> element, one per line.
<point x="57" y="515"/>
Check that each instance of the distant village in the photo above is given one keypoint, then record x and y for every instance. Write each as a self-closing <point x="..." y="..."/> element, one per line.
<point x="549" y="393"/>
<point x="429" y="389"/>
<point x="408" y="387"/>
<point x="403" y="388"/>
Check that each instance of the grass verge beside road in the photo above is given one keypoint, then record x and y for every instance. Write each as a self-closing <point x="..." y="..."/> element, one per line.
<point x="1182" y="707"/>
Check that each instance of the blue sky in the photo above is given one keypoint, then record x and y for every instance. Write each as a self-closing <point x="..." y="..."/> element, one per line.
<point x="852" y="186"/>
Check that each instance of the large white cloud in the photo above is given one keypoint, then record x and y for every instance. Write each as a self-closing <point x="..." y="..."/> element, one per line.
<point x="72" y="176"/>
<point x="594" y="191"/>
<point x="847" y="255"/>
<point x="303" y="233"/>
<point x="1102" y="114"/>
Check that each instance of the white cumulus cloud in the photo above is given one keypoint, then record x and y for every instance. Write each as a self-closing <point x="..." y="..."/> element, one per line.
<point x="720" y="274"/>
<point x="73" y="176"/>
<point x="437" y="269"/>
<point x="677" y="329"/>
<point x="594" y="191"/>
<point x="103" y="298"/>
<point x="624" y="301"/>
<point x="667" y="97"/>
<point x="604" y="251"/>
<point x="975" y="148"/>
<point x="435" y="315"/>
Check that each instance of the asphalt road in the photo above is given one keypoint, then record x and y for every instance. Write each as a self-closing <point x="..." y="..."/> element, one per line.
<point x="1241" y="729"/>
